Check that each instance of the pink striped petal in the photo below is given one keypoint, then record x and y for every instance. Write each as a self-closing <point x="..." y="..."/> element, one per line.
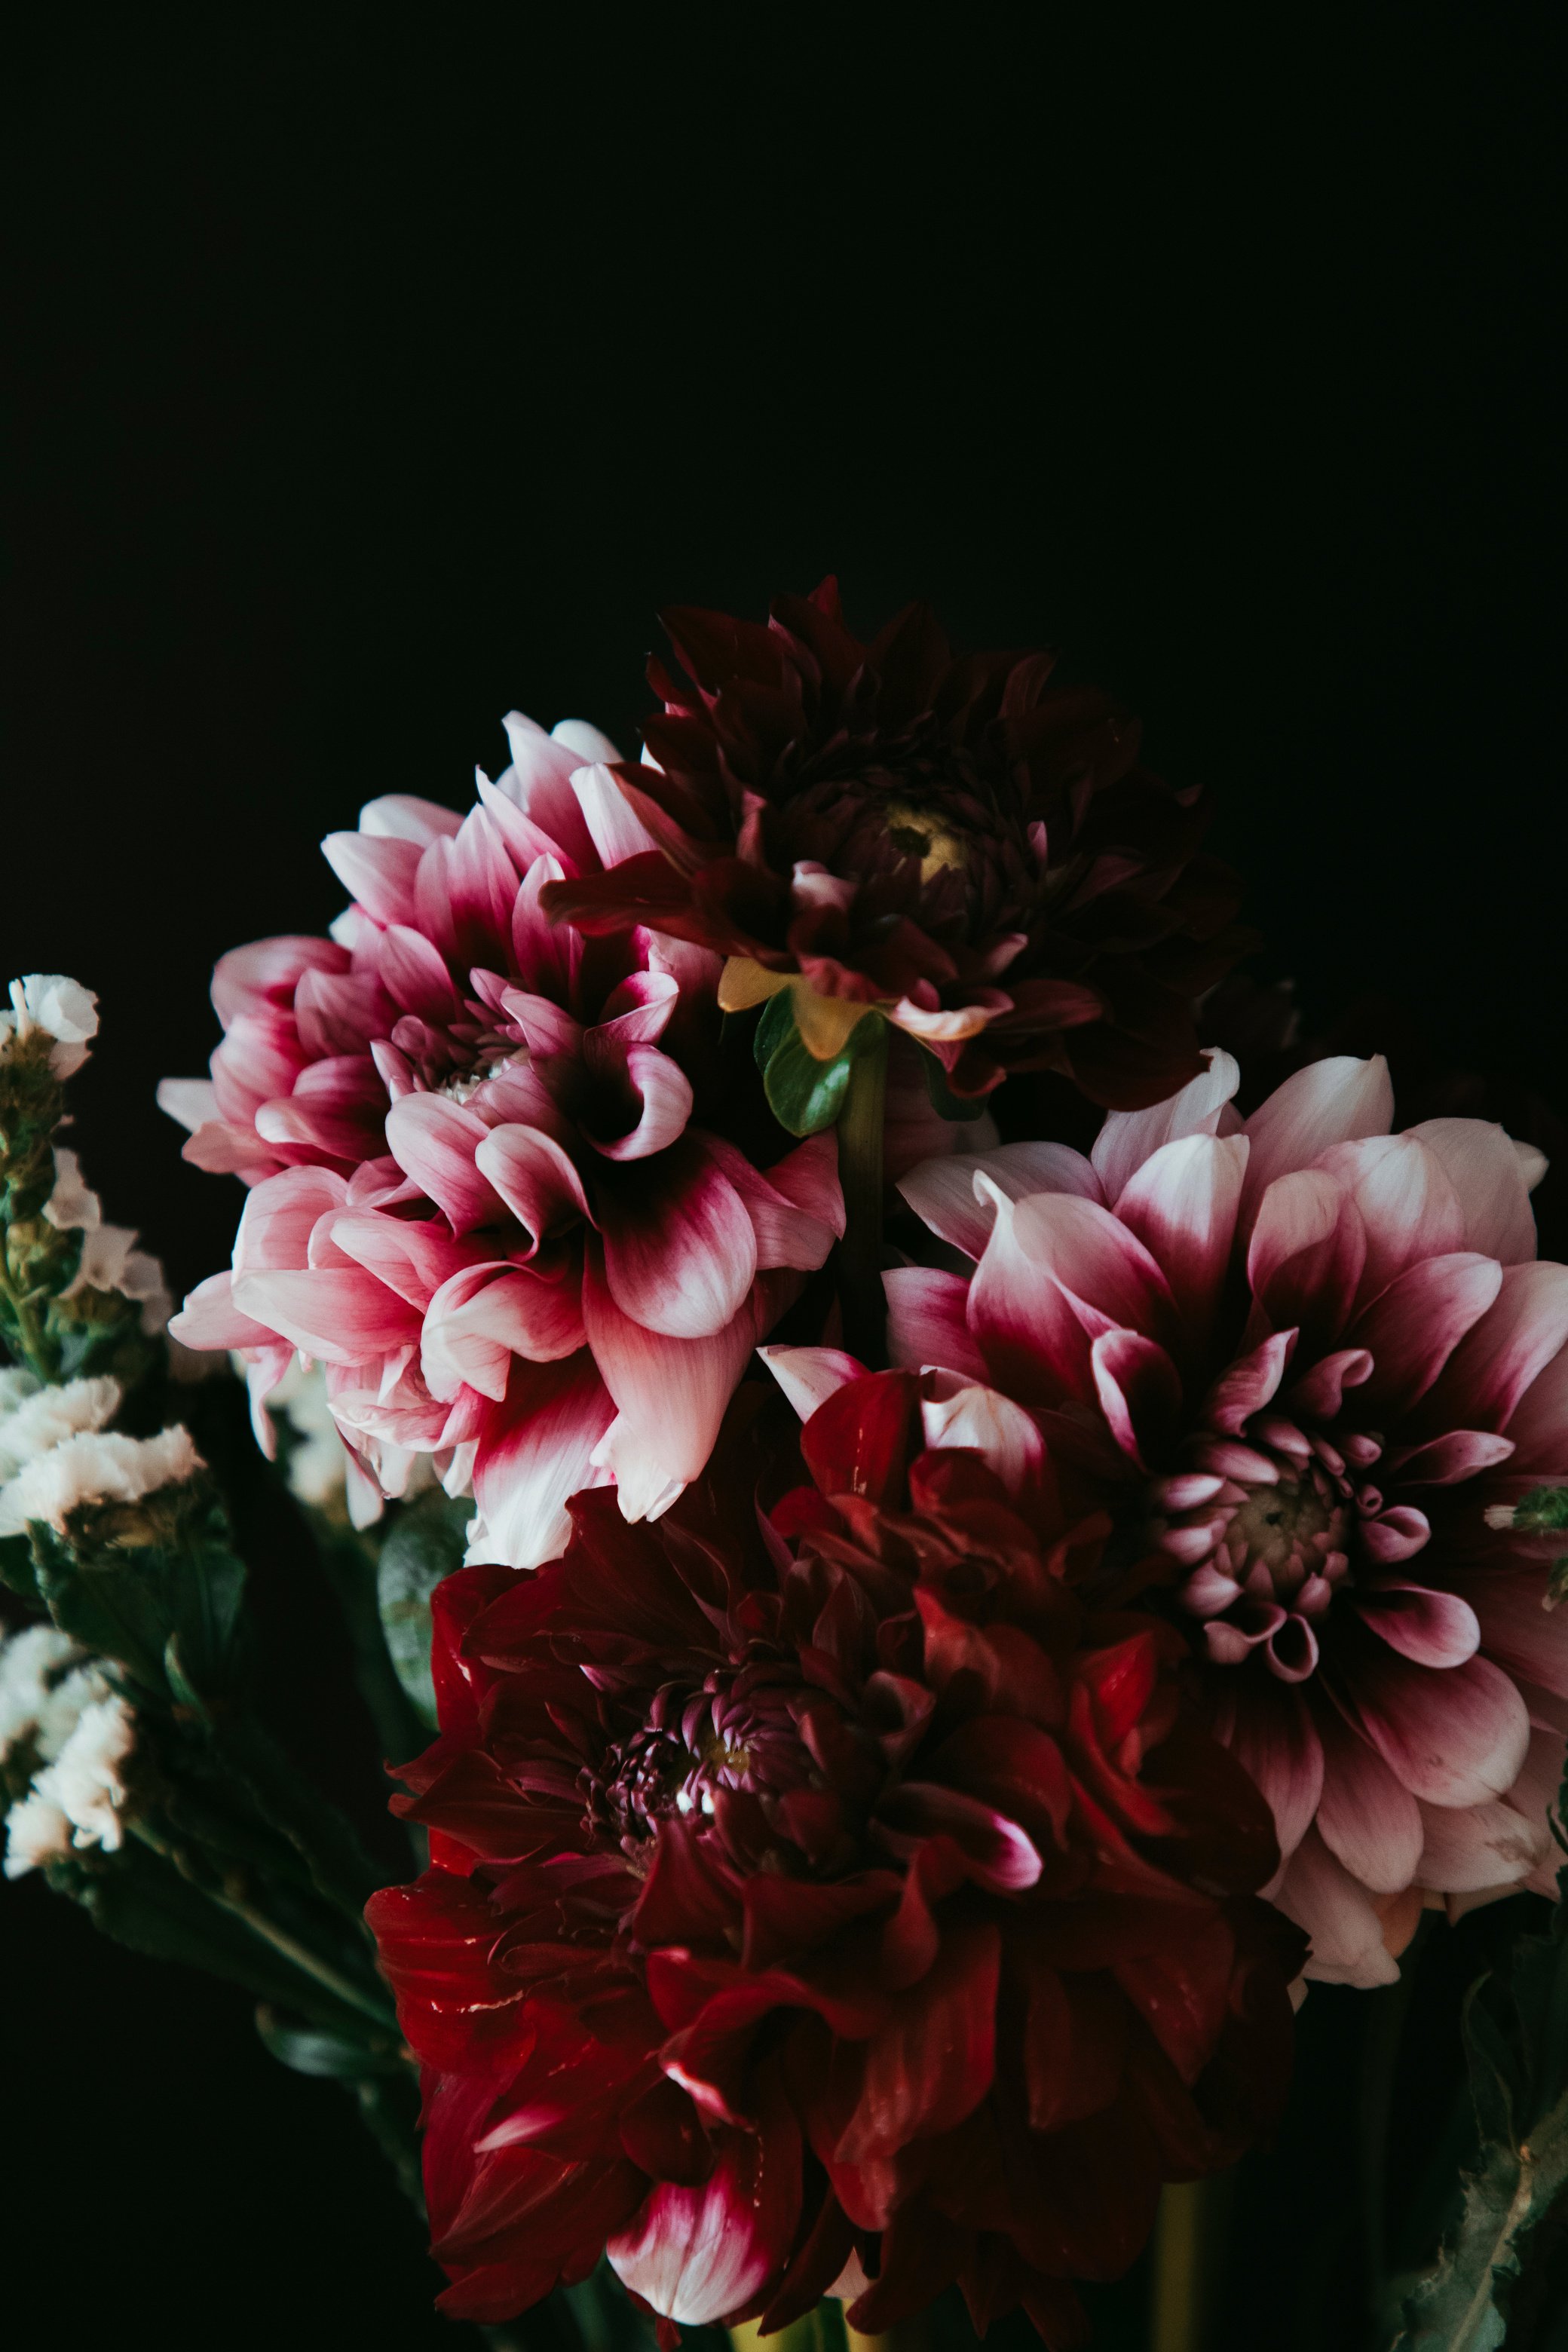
<point x="1365" y="1815"/>
<point x="670" y="1393"/>
<point x="536" y="1178"/>
<point x="536" y="1453"/>
<point x="655" y="1095"/>
<point x="484" y="1316"/>
<point x="343" y="1318"/>
<point x="809" y="1376"/>
<point x="1307" y="1250"/>
<point x="1130" y="1138"/>
<point x="546" y="956"/>
<point x="1412" y="1329"/>
<point x="1337" y="1912"/>
<point x="1248" y="1385"/>
<point x="1139" y="1391"/>
<point x="1483" y="1167"/>
<point x="436" y="1142"/>
<point x="1041" y="1249"/>
<point x="1181" y="1204"/>
<point x="1460" y="1454"/>
<point x="1496" y="1361"/>
<point x="377" y="873"/>
<point x="414" y="974"/>
<point x="280" y="1215"/>
<point x="209" y="1318"/>
<point x="412" y="1256"/>
<point x="943" y="1192"/>
<point x="267" y="973"/>
<point x="613" y="825"/>
<point x="1454" y="1738"/>
<point x="1271" y="1733"/>
<point x="1333" y="1101"/>
<point x="679" y="1253"/>
<point x="1473" y="1846"/>
<point x="403" y="816"/>
<point x="1406" y="1202"/>
<point x="927" y="1321"/>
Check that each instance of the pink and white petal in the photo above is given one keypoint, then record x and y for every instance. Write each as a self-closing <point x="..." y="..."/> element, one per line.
<point x="670" y="1393"/>
<point x="1435" y="1629"/>
<point x="1407" y="1205"/>
<point x="1484" y="1169"/>
<point x="1538" y="1424"/>
<point x="943" y="1192"/>
<point x="1336" y="1100"/>
<point x="1507" y="1348"/>
<point x="337" y="1316"/>
<point x="377" y="873"/>
<point x="1130" y="1138"/>
<point x="192" y="1101"/>
<point x="1139" y="1391"/>
<point x="1527" y="1638"/>
<point x="1365" y="1815"/>
<point x="267" y="971"/>
<point x="679" y="1253"/>
<point x="928" y="1322"/>
<point x="1471" y="1847"/>
<point x="662" y="1092"/>
<point x="1269" y="1729"/>
<point x="1455" y="1736"/>
<point x="1041" y="1250"/>
<point x="614" y="826"/>
<point x="414" y="973"/>
<point x="413" y="1256"/>
<point x="281" y="1215"/>
<point x="535" y="1176"/>
<point x="809" y="1376"/>
<point x="958" y="1414"/>
<point x="1181" y="1204"/>
<point x="796" y="1208"/>
<point x="700" y="2255"/>
<point x="486" y="1315"/>
<point x="538" y="1452"/>
<point x="403" y="816"/>
<point x="209" y="1318"/>
<point x="1248" y="1385"/>
<point x="1318" y="1893"/>
<point x="1306" y="1252"/>
<point x="436" y="1141"/>
<point x="1416" y="1325"/>
<point x="1448" y="1460"/>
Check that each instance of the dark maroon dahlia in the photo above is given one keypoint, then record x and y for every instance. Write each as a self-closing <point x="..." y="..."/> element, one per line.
<point x="952" y="839"/>
<point x="827" y="1903"/>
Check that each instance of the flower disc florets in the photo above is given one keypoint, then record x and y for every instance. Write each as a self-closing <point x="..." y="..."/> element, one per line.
<point x="828" y="1901"/>
<point x="952" y="840"/>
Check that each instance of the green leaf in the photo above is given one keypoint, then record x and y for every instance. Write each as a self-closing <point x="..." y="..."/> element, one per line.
<point x="803" y="1094"/>
<point x="943" y="1101"/>
<point x="311" y="2050"/>
<point x="426" y="1544"/>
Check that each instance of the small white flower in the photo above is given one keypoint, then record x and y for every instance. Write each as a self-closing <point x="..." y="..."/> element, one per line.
<point x="87" y="1780"/>
<point x="49" y="1416"/>
<point x="63" y="1009"/>
<point x="36" y="1831"/>
<point x="64" y="1707"/>
<point x="91" y="1468"/>
<point x="109" y="1261"/>
<point x="71" y="1205"/>
<point x="27" y="1662"/>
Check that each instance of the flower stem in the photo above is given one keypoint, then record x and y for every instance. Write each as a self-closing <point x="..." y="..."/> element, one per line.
<point x="861" y="1126"/>
<point x="1189" y="2242"/>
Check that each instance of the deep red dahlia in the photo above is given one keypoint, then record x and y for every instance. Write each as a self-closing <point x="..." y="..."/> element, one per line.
<point x="952" y="839"/>
<point x="826" y="1901"/>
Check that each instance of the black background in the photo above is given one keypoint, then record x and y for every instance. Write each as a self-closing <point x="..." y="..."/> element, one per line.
<point x="371" y="380"/>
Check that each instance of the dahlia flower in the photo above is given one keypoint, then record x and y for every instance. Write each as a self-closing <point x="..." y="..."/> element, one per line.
<point x="506" y="1187"/>
<point x="1309" y="1368"/>
<point x="827" y="1902"/>
<point x="977" y="854"/>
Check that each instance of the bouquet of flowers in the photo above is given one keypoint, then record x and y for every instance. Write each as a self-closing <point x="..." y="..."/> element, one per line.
<point x="933" y="1524"/>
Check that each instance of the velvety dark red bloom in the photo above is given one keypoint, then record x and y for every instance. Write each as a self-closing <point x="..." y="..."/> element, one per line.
<point x="953" y="840"/>
<point x="831" y="1900"/>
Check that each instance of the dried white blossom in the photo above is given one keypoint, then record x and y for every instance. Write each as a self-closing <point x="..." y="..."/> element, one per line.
<point x="72" y="1206"/>
<point x="63" y="1009"/>
<point x="29" y="1663"/>
<point x="91" y="1468"/>
<point x="87" y="1780"/>
<point x="36" y="1831"/>
<point x="109" y="1261"/>
<point x="43" y="1418"/>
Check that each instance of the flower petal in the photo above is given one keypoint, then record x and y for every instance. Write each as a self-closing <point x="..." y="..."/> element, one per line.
<point x="1318" y="1893"/>
<point x="927" y="1321"/>
<point x="1130" y="1138"/>
<point x="1365" y="1815"/>
<point x="1455" y="1736"/>
<point x="1335" y="1100"/>
<point x="435" y="1141"/>
<point x="1181" y="1204"/>
<point x="1483" y="1167"/>
<point x="1472" y="1846"/>
<point x="679" y="1251"/>
<point x="537" y="1453"/>
<point x="943" y="1191"/>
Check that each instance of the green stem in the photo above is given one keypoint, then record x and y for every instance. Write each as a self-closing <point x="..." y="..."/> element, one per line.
<point x="860" y="1131"/>
<point x="40" y="1360"/>
<point x="342" y="1987"/>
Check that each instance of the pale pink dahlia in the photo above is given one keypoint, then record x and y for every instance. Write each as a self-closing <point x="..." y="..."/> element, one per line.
<point x="507" y="1185"/>
<point x="1309" y="1368"/>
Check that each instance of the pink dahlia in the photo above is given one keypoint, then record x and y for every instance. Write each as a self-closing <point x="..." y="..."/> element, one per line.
<point x="833" y="1902"/>
<point x="953" y="839"/>
<point x="507" y="1185"/>
<point x="1310" y="1368"/>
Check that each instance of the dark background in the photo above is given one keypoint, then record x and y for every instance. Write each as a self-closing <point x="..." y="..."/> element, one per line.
<point x="368" y="382"/>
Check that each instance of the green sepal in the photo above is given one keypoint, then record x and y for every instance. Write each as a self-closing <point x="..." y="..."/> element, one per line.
<point x="313" y="2049"/>
<point x="425" y="1544"/>
<point x="943" y="1101"/>
<point x="803" y="1094"/>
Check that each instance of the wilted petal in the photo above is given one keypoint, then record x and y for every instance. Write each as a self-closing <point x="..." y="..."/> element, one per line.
<point x="1337" y="1912"/>
<point x="1472" y="1846"/>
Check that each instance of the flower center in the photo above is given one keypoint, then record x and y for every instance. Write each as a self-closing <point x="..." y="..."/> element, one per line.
<point x="919" y="833"/>
<point x="1288" y="1529"/>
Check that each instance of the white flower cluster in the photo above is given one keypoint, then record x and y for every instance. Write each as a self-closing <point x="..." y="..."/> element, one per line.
<point x="63" y="1009"/>
<point x="54" y="1453"/>
<point x="82" y="1733"/>
<point x="110" y="1261"/>
<point x="318" y="1464"/>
